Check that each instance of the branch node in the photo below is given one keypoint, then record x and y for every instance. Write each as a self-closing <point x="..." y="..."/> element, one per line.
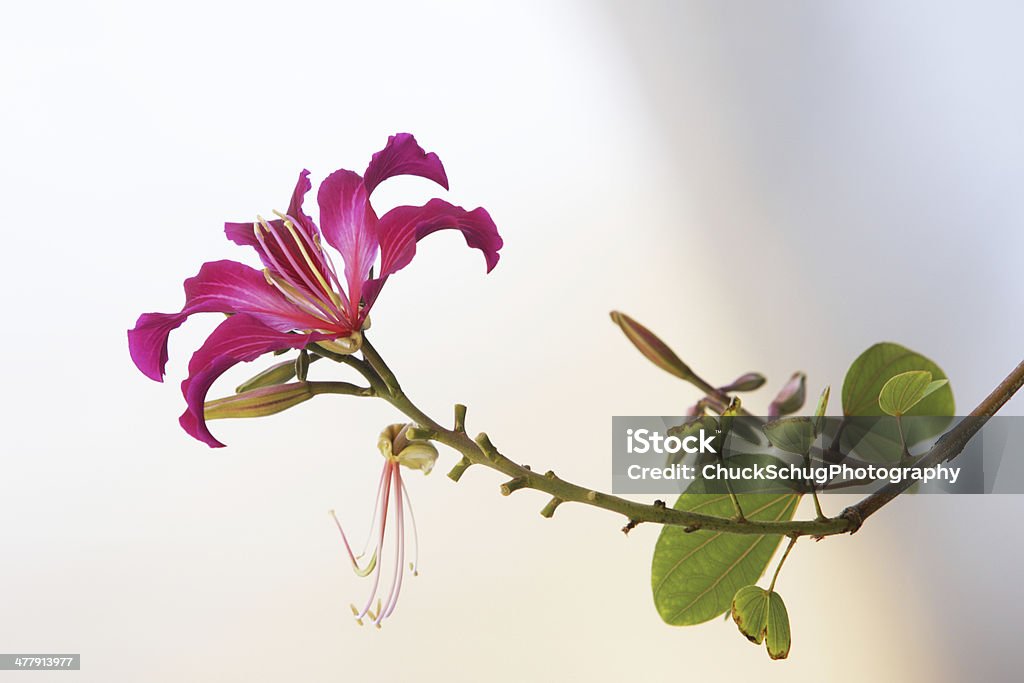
<point x="460" y="468"/>
<point x="417" y="433"/>
<point x="550" y="474"/>
<point x="488" y="449"/>
<point x="460" y="418"/>
<point x="659" y="504"/>
<point x="592" y="496"/>
<point x="549" y="509"/>
<point x="853" y="517"/>
<point x="630" y="525"/>
<point x="691" y="528"/>
<point x="513" y="485"/>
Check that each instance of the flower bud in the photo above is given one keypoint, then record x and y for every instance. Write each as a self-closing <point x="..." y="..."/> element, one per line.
<point x="258" y="402"/>
<point x="747" y="382"/>
<point x="653" y="348"/>
<point x="791" y="398"/>
<point x="275" y="374"/>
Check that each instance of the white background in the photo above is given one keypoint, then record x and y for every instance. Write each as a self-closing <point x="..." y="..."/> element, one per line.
<point x="769" y="187"/>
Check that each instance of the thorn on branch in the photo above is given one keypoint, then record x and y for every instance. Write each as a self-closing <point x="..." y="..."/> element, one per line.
<point x="630" y="525"/>
<point x="460" y="468"/>
<point x="460" y="418"/>
<point x="659" y="504"/>
<point x="549" y="509"/>
<point x="513" y="485"/>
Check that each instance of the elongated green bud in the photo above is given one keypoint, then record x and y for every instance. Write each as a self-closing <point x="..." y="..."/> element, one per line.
<point x="275" y="374"/>
<point x="259" y="402"/>
<point x="653" y="348"/>
<point x="302" y="365"/>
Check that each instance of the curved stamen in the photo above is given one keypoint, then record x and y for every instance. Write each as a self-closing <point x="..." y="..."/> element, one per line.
<point x="380" y="538"/>
<point x="322" y="265"/>
<point x="361" y="571"/>
<point x="296" y="297"/>
<point x="330" y="311"/>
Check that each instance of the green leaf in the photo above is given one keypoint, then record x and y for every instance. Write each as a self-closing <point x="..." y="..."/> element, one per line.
<point x="694" y="576"/>
<point x="876" y="366"/>
<point x="778" y="637"/>
<point x="750" y="612"/>
<point x="791" y="434"/>
<point x="906" y="390"/>
<point x="867" y="376"/>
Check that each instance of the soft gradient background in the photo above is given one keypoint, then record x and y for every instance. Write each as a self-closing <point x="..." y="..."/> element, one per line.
<point x="769" y="186"/>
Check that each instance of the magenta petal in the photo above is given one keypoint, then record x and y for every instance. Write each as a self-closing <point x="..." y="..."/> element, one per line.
<point x="403" y="156"/>
<point x="302" y="186"/>
<point x="147" y="342"/>
<point x="220" y="287"/>
<point x="402" y="227"/>
<point x="240" y="338"/>
<point x="350" y="226"/>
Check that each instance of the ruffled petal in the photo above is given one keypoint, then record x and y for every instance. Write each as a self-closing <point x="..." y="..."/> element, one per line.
<point x="403" y="156"/>
<point x="350" y="226"/>
<point x="220" y="287"/>
<point x="240" y="338"/>
<point x="402" y="227"/>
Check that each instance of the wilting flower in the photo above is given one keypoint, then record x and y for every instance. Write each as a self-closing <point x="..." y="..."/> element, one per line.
<point x="300" y="297"/>
<point x="392" y="501"/>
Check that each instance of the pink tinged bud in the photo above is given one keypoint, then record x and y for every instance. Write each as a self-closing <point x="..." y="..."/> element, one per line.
<point x="651" y="346"/>
<point x="748" y="382"/>
<point x="258" y="402"/>
<point x="791" y="398"/>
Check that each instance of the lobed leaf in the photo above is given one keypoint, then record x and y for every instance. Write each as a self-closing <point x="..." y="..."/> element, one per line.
<point x="694" y="576"/>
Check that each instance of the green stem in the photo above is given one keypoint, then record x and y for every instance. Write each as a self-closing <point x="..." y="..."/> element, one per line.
<point x="775" y="577"/>
<point x="482" y="452"/>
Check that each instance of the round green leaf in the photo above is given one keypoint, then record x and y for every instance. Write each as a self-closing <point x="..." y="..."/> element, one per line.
<point x="791" y="434"/>
<point x="778" y="637"/>
<point x="750" y="612"/>
<point x="862" y="388"/>
<point x="876" y="366"/>
<point x="906" y="390"/>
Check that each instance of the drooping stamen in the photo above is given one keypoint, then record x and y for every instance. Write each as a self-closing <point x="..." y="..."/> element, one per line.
<point x="380" y="537"/>
<point x="414" y="566"/>
<point x="399" y="571"/>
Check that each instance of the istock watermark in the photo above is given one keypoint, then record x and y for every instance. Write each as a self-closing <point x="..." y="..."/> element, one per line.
<point x="657" y="454"/>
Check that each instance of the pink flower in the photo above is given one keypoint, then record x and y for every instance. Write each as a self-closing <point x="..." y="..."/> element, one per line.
<point x="300" y="297"/>
<point x="398" y="452"/>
